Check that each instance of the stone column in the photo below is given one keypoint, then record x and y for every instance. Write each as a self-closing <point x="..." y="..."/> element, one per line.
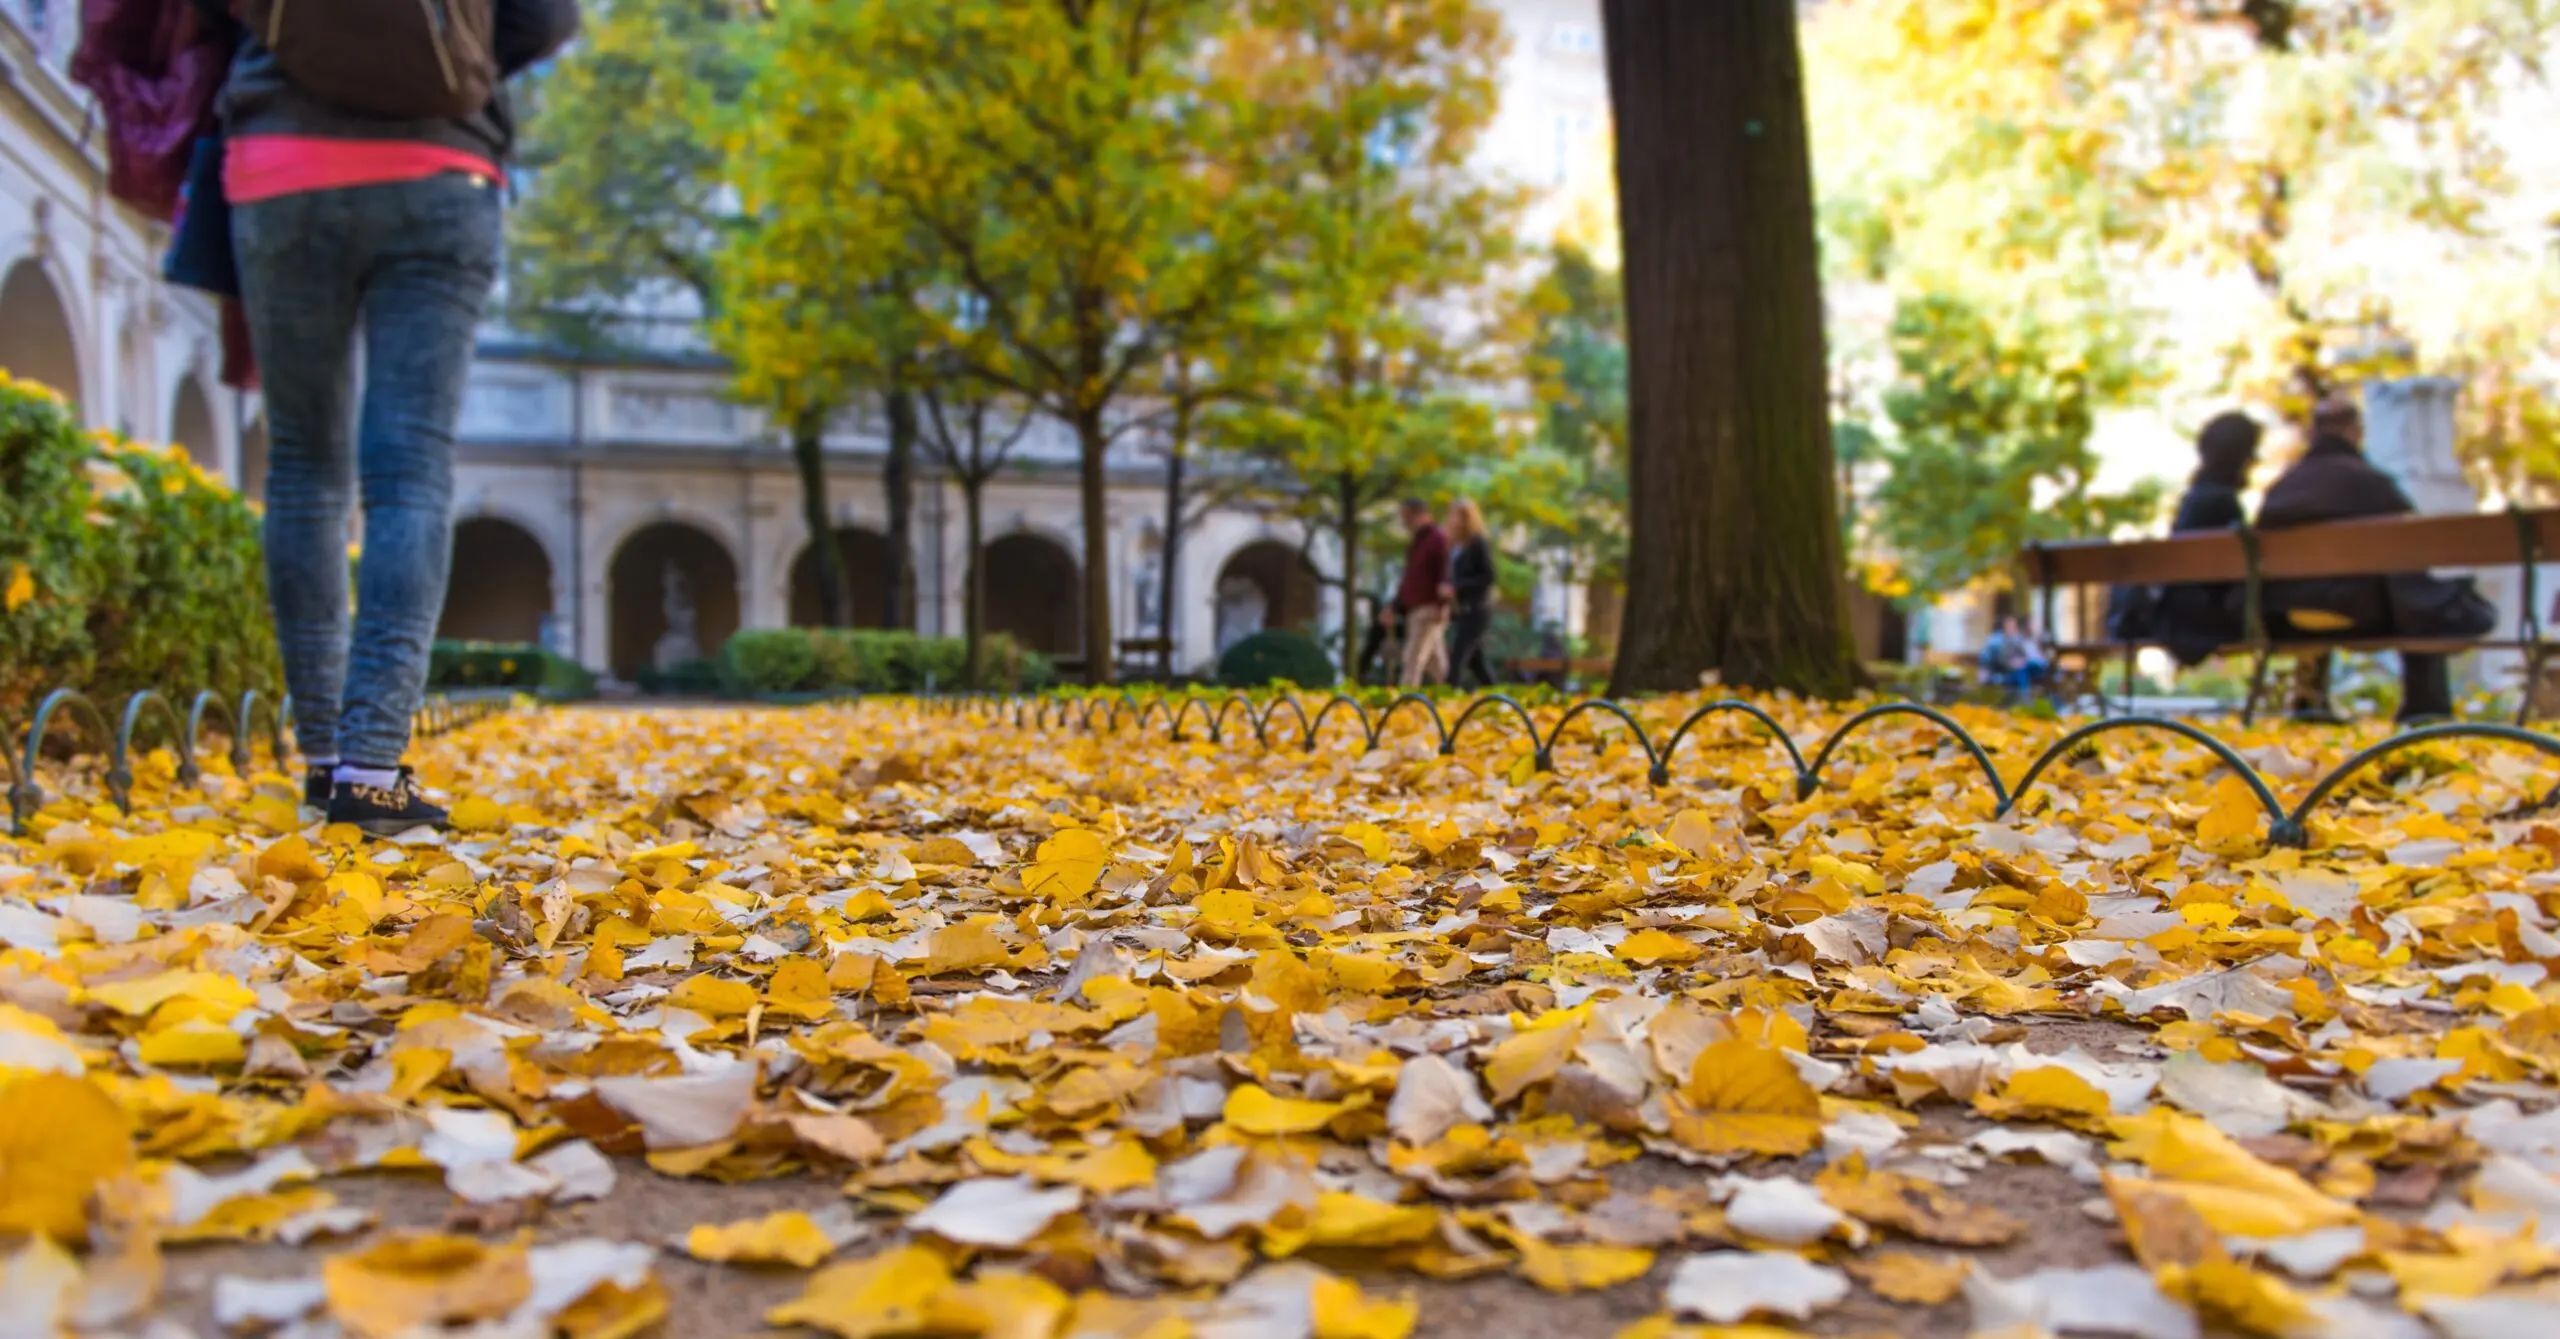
<point x="2409" y="434"/>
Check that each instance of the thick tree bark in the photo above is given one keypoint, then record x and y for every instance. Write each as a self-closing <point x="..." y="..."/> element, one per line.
<point x="1347" y="520"/>
<point x="897" y="479"/>
<point x="973" y="599"/>
<point x="1092" y="444"/>
<point x="809" y="454"/>
<point x="1734" y="557"/>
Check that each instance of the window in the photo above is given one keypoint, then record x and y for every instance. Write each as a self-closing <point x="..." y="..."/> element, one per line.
<point x="1573" y="39"/>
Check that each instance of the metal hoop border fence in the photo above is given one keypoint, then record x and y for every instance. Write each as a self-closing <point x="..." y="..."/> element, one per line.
<point x="2285" y="827"/>
<point x="239" y="718"/>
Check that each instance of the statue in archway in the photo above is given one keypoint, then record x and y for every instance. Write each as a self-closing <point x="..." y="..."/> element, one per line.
<point x="680" y="643"/>
<point x="1243" y="607"/>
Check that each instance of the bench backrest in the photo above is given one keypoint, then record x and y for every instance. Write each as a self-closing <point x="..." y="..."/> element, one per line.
<point x="2373" y="547"/>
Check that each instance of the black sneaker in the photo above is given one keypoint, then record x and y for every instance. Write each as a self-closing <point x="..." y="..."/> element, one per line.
<point x="384" y="811"/>
<point x="315" y="788"/>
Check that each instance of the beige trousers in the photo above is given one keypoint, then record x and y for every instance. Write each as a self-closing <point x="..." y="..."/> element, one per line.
<point x="1426" y="646"/>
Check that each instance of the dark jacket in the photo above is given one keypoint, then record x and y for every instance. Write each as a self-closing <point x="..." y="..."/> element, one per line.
<point x="261" y="100"/>
<point x="2209" y="504"/>
<point x="2332" y="482"/>
<point x="1426" y="569"/>
<point x="2192" y="621"/>
<point x="1471" y="573"/>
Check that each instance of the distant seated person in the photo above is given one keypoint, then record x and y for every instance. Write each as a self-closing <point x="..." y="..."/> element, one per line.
<point x="2013" y="658"/>
<point x="2195" y="621"/>
<point x="2334" y="482"/>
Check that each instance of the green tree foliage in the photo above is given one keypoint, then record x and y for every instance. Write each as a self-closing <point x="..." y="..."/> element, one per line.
<point x="1357" y="125"/>
<point x="629" y="192"/>
<point x="1047" y="172"/>
<point x="1570" y="484"/>
<point x="2333" y="170"/>
<point x="1990" y="444"/>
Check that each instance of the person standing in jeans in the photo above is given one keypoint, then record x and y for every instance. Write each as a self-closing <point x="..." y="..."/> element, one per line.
<point x="1470" y="592"/>
<point x="1421" y="611"/>
<point x="367" y="142"/>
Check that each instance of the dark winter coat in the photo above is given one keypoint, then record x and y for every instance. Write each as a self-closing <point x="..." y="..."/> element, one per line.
<point x="1471" y="574"/>
<point x="2332" y="482"/>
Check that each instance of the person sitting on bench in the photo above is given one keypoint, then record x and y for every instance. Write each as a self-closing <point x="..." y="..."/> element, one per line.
<point x="2334" y="482"/>
<point x="2194" y="622"/>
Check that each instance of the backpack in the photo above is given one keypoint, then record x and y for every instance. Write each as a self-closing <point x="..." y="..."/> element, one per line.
<point x="402" y="60"/>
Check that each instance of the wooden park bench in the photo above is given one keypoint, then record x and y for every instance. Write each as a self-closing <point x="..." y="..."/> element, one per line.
<point x="2250" y="558"/>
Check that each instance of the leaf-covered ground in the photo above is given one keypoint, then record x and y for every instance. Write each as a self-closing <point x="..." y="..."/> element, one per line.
<point x="882" y="1022"/>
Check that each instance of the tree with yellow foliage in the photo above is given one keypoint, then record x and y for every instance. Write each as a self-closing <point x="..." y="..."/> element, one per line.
<point x="1051" y="170"/>
<point x="1359" y="122"/>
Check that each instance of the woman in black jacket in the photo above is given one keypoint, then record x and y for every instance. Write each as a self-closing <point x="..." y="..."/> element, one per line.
<point x="2194" y="622"/>
<point x="1470" y="590"/>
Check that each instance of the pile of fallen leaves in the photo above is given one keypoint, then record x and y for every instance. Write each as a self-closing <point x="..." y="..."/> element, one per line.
<point x="880" y="1022"/>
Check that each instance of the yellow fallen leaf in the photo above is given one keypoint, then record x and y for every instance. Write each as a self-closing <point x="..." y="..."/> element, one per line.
<point x="476" y="814"/>
<point x="408" y="1282"/>
<point x="1255" y="1110"/>
<point x="61" y="1138"/>
<point x="789" y="1237"/>
<point x="1649" y="947"/>
<point x="22" y="587"/>
<point x="712" y="997"/>
<point x="1341" y="1311"/>
<point x="2234" y="818"/>
<point x="888" y="1294"/>
<point x="191" y="1044"/>
<point x="1532" y="1054"/>
<point x="1067" y="865"/>
<point x="1743" y="1097"/>
<point x="1000" y="1306"/>
<point x="1913" y="1280"/>
<point x="1346" y="1219"/>
<point x="2235" y="1192"/>
<point x="1580" y="1268"/>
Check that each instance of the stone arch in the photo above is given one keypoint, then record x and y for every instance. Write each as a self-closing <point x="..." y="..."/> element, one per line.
<point x="192" y="424"/>
<point x="637" y="595"/>
<point x="1265" y="583"/>
<point x="500" y="590"/>
<point x="865" y="553"/>
<point x="1035" y="592"/>
<point x="37" y="339"/>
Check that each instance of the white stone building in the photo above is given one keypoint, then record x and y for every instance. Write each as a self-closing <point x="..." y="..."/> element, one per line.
<point x="82" y="308"/>
<point x="581" y="486"/>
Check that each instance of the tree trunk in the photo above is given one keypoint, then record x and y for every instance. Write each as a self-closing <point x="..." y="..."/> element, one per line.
<point x="1091" y="445"/>
<point x="1171" y="557"/>
<point x="1734" y="555"/>
<point x="1347" y="519"/>
<point x="809" y="454"/>
<point x="973" y="600"/>
<point x="897" y="479"/>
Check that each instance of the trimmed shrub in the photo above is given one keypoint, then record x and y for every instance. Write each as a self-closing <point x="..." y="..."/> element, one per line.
<point x="1275" y="656"/>
<point x="466" y="665"/>
<point x="122" y="566"/>
<point x="770" y="660"/>
<point x="776" y="661"/>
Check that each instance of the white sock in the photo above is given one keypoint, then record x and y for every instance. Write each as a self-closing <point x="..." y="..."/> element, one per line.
<point x="380" y="778"/>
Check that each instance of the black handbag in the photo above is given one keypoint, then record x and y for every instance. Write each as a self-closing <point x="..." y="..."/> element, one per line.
<point x="2433" y="606"/>
<point x="200" y="253"/>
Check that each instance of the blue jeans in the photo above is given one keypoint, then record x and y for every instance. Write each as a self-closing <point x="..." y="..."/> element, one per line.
<point x="411" y="263"/>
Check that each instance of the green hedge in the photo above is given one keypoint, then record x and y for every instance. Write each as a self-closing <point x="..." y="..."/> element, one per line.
<point x="556" y="678"/>
<point x="121" y="566"/>
<point x="1276" y="656"/>
<point x="869" y="660"/>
